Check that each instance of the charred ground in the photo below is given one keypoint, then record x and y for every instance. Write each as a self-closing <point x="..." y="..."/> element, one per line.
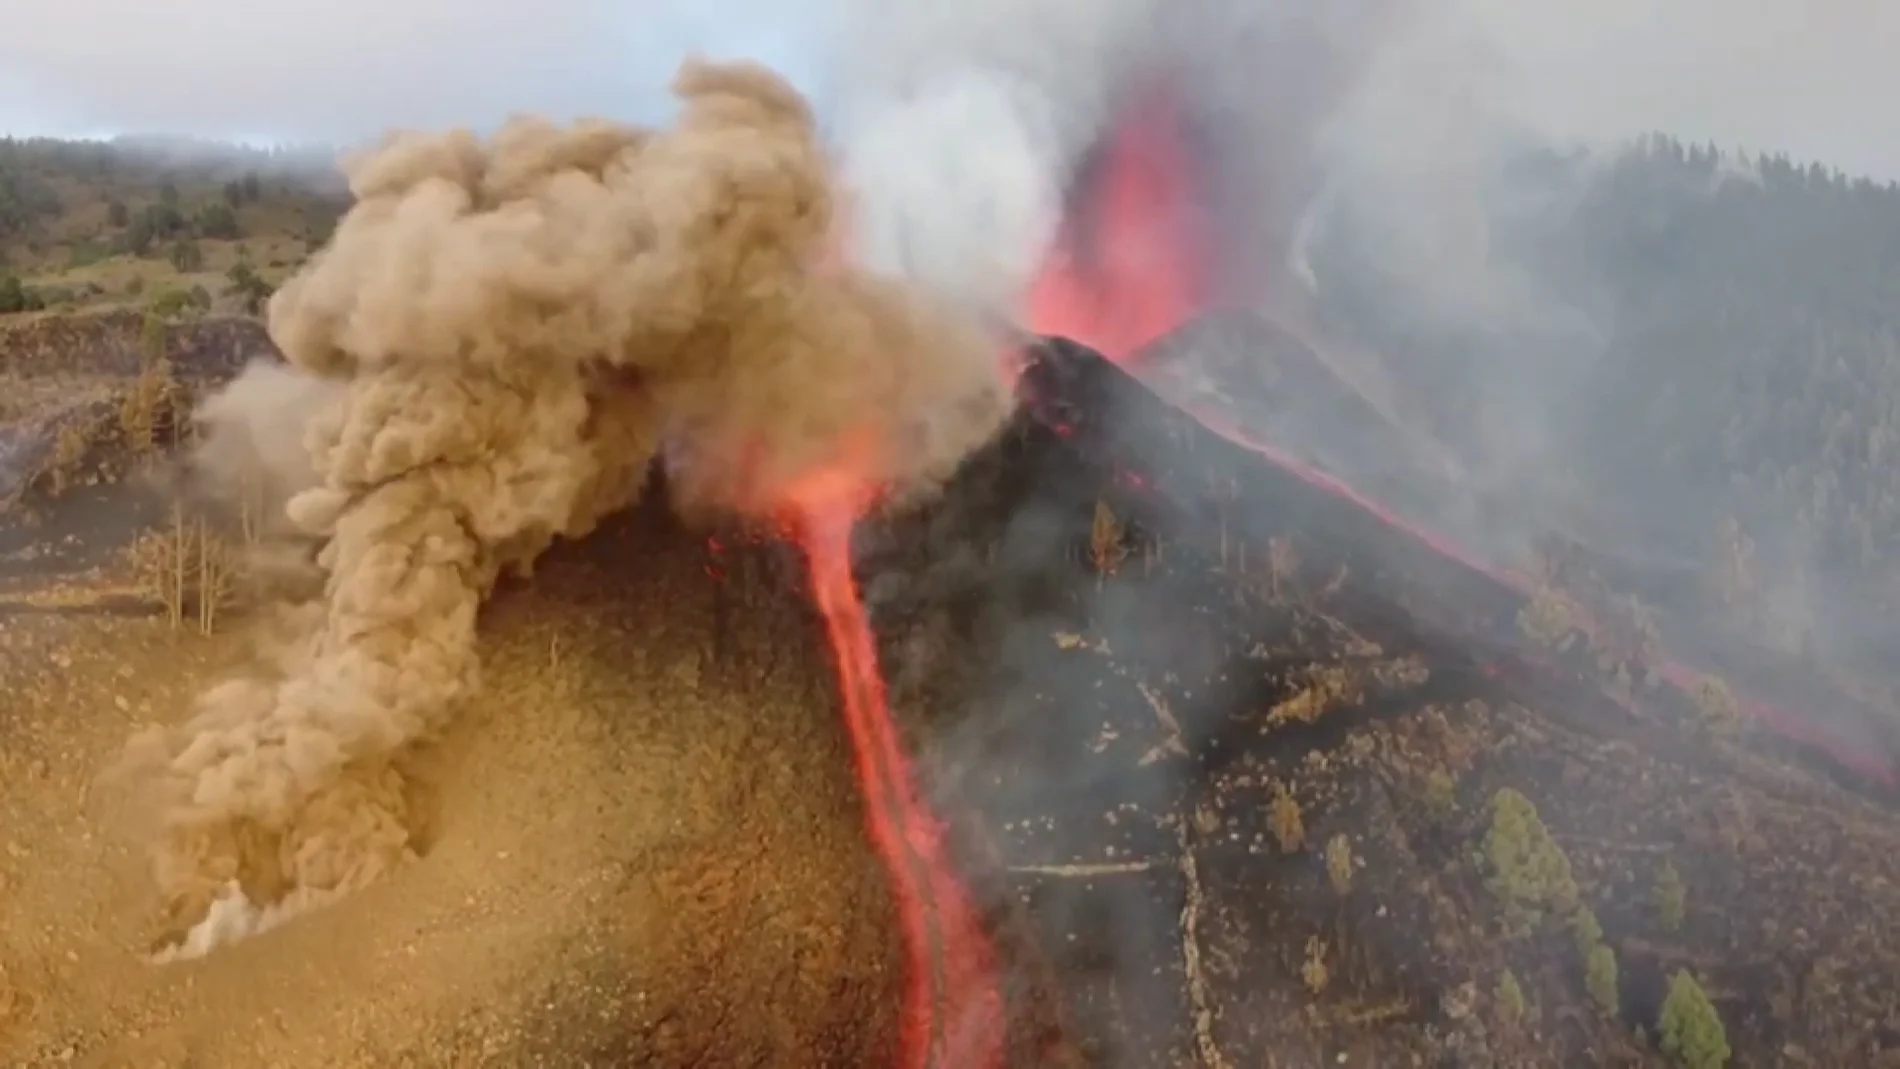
<point x="1246" y="748"/>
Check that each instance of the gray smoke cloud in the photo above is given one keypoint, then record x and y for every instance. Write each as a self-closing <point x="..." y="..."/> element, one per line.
<point x="1382" y="126"/>
<point x="961" y="132"/>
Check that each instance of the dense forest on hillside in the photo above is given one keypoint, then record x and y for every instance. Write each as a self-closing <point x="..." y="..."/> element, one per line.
<point x="1712" y="346"/>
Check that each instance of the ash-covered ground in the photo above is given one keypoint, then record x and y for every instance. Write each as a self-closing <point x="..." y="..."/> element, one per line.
<point x="643" y="845"/>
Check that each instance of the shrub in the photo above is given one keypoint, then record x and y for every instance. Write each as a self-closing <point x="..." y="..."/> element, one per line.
<point x="1672" y="898"/>
<point x="1529" y="871"/>
<point x="1441" y="794"/>
<point x="1690" y="1029"/>
<point x="1599" y="977"/>
<point x="1339" y="863"/>
<point x="1283" y="818"/>
<point x="1510" y="997"/>
<point x="1589" y="933"/>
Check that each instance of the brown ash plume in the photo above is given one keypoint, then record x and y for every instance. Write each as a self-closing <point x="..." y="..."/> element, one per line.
<point x="488" y="355"/>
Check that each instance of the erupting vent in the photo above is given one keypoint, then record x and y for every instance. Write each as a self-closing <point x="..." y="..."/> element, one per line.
<point x="1130" y="262"/>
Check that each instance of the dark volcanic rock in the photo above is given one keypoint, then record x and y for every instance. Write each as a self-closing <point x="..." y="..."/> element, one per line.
<point x="1236" y="740"/>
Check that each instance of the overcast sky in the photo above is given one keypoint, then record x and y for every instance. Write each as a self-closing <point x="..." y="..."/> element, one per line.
<point x="1812" y="77"/>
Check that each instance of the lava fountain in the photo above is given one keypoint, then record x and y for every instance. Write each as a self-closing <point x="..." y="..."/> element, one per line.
<point x="1130" y="260"/>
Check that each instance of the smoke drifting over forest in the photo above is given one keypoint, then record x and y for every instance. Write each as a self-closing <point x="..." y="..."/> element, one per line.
<point x="502" y="336"/>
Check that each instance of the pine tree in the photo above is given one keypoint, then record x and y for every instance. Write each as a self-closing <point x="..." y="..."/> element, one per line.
<point x="1600" y="979"/>
<point x="1529" y="871"/>
<point x="1691" y="1031"/>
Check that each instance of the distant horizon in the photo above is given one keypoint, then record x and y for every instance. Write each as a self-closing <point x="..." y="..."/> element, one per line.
<point x="251" y="144"/>
<point x="333" y="149"/>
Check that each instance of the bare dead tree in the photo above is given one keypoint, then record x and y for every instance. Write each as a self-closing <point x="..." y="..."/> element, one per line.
<point x="214" y="579"/>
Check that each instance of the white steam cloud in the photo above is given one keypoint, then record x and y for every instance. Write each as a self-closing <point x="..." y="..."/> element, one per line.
<point x="959" y="126"/>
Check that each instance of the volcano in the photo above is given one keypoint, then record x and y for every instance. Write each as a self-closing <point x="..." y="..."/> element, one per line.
<point x="1219" y="744"/>
<point x="1236" y="734"/>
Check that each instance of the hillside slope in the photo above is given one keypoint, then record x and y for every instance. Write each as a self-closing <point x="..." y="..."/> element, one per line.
<point x="1284" y="785"/>
<point x="1687" y="360"/>
<point x="625" y="862"/>
<point x="210" y="228"/>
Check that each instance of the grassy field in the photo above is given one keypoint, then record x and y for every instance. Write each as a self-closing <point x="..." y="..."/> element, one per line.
<point x="180" y="227"/>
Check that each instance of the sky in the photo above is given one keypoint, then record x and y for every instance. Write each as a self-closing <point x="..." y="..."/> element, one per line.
<point x="1810" y="77"/>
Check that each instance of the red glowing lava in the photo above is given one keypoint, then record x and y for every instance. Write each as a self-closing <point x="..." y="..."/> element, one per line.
<point x="1129" y="263"/>
<point x="952" y="1013"/>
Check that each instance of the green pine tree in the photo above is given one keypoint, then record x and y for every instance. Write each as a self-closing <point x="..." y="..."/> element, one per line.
<point x="1529" y="871"/>
<point x="1599" y="977"/>
<point x="1691" y="1030"/>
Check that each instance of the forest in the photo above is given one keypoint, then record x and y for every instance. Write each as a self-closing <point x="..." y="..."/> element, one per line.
<point x="1713" y="356"/>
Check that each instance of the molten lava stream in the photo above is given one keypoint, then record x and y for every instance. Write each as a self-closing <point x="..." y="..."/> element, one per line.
<point x="952" y="1006"/>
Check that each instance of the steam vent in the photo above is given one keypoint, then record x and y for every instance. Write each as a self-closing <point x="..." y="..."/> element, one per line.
<point x="1229" y="768"/>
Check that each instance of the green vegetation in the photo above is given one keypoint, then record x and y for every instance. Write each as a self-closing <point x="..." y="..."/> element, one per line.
<point x="1527" y="869"/>
<point x="1690" y="1030"/>
<point x="1339" y="863"/>
<point x="1510" y="997"/>
<point x="1599" y="977"/>
<point x="1733" y="318"/>
<point x="1441" y="794"/>
<point x="1717" y="704"/>
<point x="16" y="297"/>
<point x="1283" y="815"/>
<point x="102" y="224"/>
<point x="1588" y="932"/>
<point x="1672" y="898"/>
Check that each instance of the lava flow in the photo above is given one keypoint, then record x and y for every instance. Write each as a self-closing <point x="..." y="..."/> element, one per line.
<point x="952" y="1013"/>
